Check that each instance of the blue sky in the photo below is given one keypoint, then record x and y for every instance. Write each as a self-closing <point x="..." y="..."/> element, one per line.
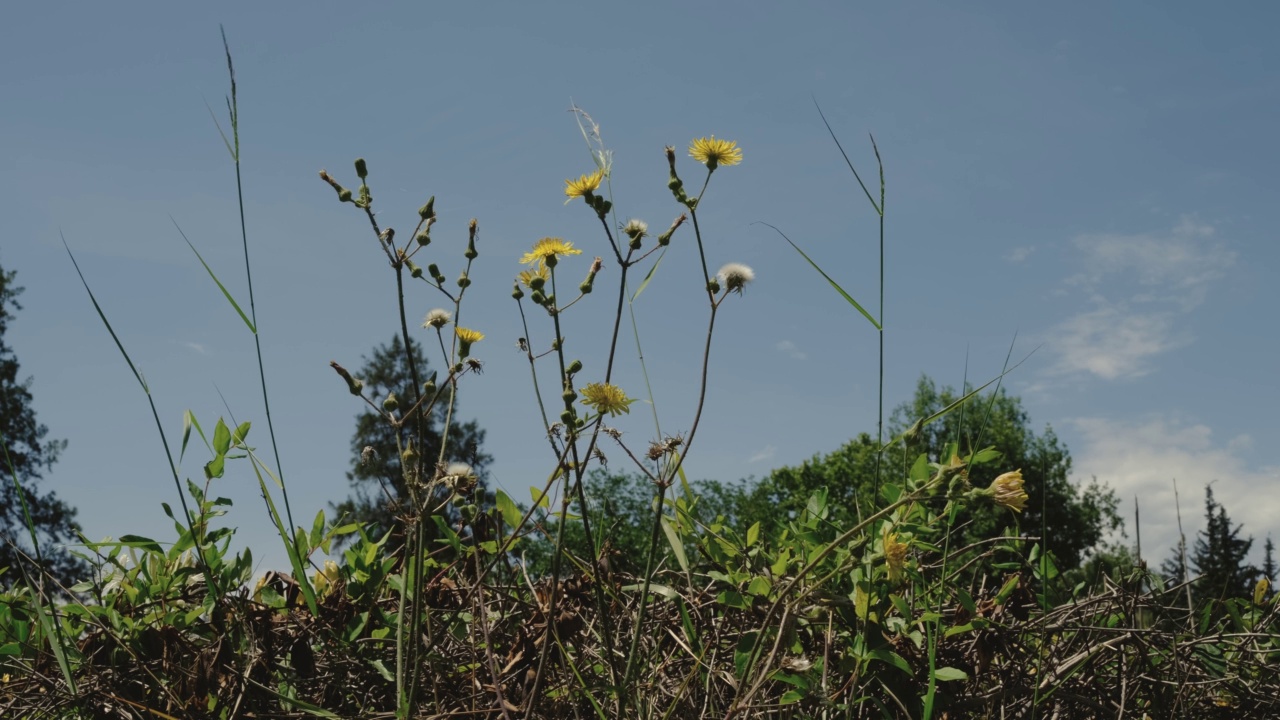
<point x="1097" y="178"/>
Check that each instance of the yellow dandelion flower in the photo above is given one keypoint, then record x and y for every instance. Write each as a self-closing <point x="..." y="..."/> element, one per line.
<point x="714" y="153"/>
<point x="895" y="556"/>
<point x="1261" y="590"/>
<point x="583" y="186"/>
<point x="606" y="399"/>
<point x="1007" y="491"/>
<point x="469" y="336"/>
<point x="527" y="277"/>
<point x="547" y="250"/>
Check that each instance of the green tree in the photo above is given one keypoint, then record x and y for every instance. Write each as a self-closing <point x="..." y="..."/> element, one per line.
<point x="1269" y="561"/>
<point x="31" y="455"/>
<point x="1074" y="518"/>
<point x="1218" y="555"/>
<point x="375" y="476"/>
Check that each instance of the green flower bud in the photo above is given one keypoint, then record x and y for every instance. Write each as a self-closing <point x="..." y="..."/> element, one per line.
<point x="574" y="367"/>
<point x="434" y="270"/>
<point x="516" y="292"/>
<point x="429" y="210"/>
<point x="471" y="253"/>
<point x="566" y="417"/>
<point x="538" y="298"/>
<point x="585" y="287"/>
<point x="468" y="512"/>
<point x="423" y="238"/>
<point x="391" y="403"/>
<point x="537" y="283"/>
<point x="362" y="170"/>
<point x="353" y="384"/>
<point x="414" y="270"/>
<point x="713" y="285"/>
<point x="463" y="280"/>
<point x="569" y="396"/>
<point x="409" y="457"/>
<point x="429" y="388"/>
<point x="344" y="195"/>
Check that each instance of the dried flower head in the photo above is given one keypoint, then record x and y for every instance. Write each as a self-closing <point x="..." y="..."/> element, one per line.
<point x="714" y="153"/>
<point x="1007" y="491"/>
<point x="437" y="318"/>
<point x="583" y="186"/>
<point x="548" y="249"/>
<point x="605" y="398"/>
<point x="735" y="276"/>
<point x="895" y="556"/>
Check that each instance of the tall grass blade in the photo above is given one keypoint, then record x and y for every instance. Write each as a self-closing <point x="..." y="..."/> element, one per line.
<point x="848" y="298"/>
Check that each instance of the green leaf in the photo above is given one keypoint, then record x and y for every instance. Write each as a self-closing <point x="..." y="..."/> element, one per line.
<point x="221" y="438"/>
<point x="142" y="543"/>
<point x="226" y="293"/>
<point x="947" y="674"/>
<point x="759" y="586"/>
<point x="753" y="534"/>
<point x="317" y="528"/>
<point x="242" y="431"/>
<point x="986" y="455"/>
<point x="539" y="498"/>
<point x="848" y="298"/>
<point x="187" y="419"/>
<point x="790" y="696"/>
<point x="649" y="275"/>
<point x="511" y="514"/>
<point x="214" y="468"/>
<point x="677" y="546"/>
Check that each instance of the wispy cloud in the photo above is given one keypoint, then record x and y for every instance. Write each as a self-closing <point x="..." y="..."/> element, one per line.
<point x="196" y="346"/>
<point x="1142" y="459"/>
<point x="791" y="350"/>
<point x="1019" y="254"/>
<point x="1137" y="288"/>
<point x="766" y="453"/>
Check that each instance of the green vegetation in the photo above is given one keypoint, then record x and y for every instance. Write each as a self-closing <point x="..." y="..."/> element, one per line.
<point x="941" y="569"/>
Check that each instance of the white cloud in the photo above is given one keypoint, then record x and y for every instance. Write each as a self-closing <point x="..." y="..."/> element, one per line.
<point x="1138" y="288"/>
<point x="196" y="346"/>
<point x="1143" y="459"/>
<point x="766" y="453"/>
<point x="1019" y="254"/>
<point x="791" y="350"/>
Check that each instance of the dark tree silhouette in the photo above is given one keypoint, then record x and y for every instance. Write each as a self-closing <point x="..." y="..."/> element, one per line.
<point x="31" y="455"/>
<point x="1218" y="555"/>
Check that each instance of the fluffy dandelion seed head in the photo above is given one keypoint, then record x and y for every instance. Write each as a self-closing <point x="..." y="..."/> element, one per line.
<point x="714" y="153"/>
<point x="584" y="185"/>
<point x="437" y="318"/>
<point x="1007" y="491"/>
<point x="527" y="277"/>
<point x="605" y="398"/>
<point x="895" y="556"/>
<point x="636" y="228"/>
<point x="459" y="469"/>
<point x="735" y="276"/>
<point x="549" y="247"/>
<point x="469" y="336"/>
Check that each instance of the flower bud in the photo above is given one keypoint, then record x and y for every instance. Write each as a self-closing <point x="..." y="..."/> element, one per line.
<point x="428" y="211"/>
<point x="414" y="270"/>
<point x="391" y="403"/>
<point x="344" y="195"/>
<point x="574" y="367"/>
<point x="568" y="396"/>
<point x="409" y="457"/>
<point x="537" y="282"/>
<point x="423" y="238"/>
<point x="434" y="270"/>
<point x="353" y="384"/>
<point x="566" y="417"/>
<point x="713" y="286"/>
<point x="516" y="292"/>
<point x="463" y="280"/>
<point x="538" y="298"/>
<point x="362" y="170"/>
<point x="429" y="387"/>
<point x="471" y="253"/>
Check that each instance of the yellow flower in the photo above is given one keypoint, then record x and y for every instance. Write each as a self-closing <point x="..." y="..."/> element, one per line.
<point x="547" y="249"/>
<point x="526" y="277"/>
<point x="895" y="556"/>
<point x="583" y="186"/>
<point x="1007" y="490"/>
<point x="469" y="336"/>
<point x="605" y="398"/>
<point x="713" y="153"/>
<point x="1260" y="591"/>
